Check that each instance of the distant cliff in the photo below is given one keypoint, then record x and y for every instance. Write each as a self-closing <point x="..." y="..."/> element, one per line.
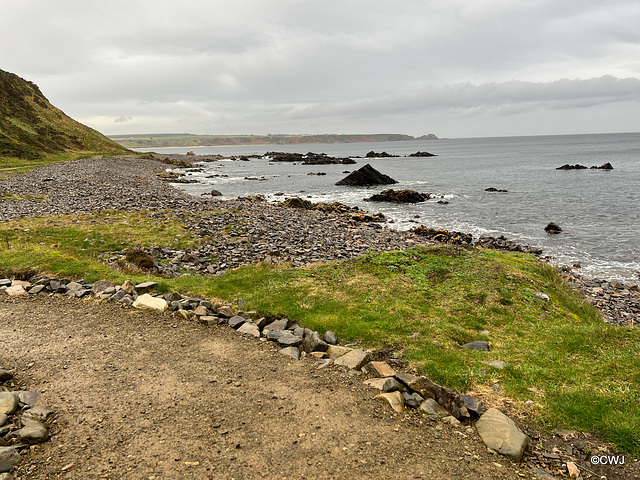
<point x="31" y="128"/>
<point x="184" y="140"/>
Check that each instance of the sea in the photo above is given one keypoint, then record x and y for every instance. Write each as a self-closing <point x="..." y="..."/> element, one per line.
<point x="598" y="210"/>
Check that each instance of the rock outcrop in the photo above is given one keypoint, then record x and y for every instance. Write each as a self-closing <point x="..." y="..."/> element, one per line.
<point x="553" y="228"/>
<point x="366" y="176"/>
<point x="399" y="196"/>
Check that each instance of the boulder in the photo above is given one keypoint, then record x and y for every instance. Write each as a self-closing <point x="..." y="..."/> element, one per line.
<point x="330" y="337"/>
<point x="8" y="403"/>
<point x="394" y="399"/>
<point x="9" y="458"/>
<point x="387" y="384"/>
<point x="373" y="154"/>
<point x="250" y="328"/>
<point x="399" y="196"/>
<point x="379" y="369"/>
<point x="32" y="433"/>
<point x="572" y="167"/>
<point x="552" y="228"/>
<point x="313" y="343"/>
<point x="500" y="433"/>
<point x="366" y="175"/>
<point x="102" y="285"/>
<point x="422" y="154"/>
<point x="16" y="291"/>
<point x="336" y="351"/>
<point x="605" y="166"/>
<point x="292" y="352"/>
<point x="147" y="302"/>
<point x="494" y="189"/>
<point x="355" y="359"/>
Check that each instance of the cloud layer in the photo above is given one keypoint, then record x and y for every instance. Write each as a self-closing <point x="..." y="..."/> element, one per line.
<point x="456" y="68"/>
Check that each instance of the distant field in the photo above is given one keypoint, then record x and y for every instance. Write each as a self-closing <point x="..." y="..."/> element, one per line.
<point x="182" y="140"/>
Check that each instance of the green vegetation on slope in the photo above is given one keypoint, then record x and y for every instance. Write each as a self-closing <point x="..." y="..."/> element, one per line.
<point x="33" y="132"/>
<point x="425" y="303"/>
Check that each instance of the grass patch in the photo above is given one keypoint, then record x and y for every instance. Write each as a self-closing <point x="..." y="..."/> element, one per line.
<point x="425" y="302"/>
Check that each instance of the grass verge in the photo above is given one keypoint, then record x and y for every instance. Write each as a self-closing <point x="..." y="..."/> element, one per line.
<point x="424" y="303"/>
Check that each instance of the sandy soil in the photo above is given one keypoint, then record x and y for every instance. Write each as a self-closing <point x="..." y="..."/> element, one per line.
<point x="146" y="396"/>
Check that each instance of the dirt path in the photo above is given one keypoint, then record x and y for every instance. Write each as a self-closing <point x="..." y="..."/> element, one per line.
<point x="146" y="396"/>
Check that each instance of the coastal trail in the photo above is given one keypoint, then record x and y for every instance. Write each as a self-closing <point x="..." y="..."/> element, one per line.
<point x="143" y="395"/>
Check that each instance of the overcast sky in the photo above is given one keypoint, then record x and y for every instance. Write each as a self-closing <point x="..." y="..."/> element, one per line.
<point x="456" y="68"/>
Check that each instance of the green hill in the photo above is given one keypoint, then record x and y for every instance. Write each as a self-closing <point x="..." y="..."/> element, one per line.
<point x="32" y="129"/>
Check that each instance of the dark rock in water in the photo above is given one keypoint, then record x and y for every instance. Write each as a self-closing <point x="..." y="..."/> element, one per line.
<point x="605" y="166"/>
<point x="494" y="189"/>
<point x="443" y="236"/>
<point x="308" y="159"/>
<point x="215" y="193"/>
<point x="552" y="228"/>
<point x="572" y="167"/>
<point x="373" y="154"/>
<point x="399" y="196"/>
<point x="422" y="154"/>
<point x="366" y="175"/>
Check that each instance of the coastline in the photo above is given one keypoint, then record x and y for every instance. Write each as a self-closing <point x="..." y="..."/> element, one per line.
<point x="302" y="237"/>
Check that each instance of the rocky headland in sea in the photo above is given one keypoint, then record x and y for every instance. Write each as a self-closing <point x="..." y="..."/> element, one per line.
<point x="247" y="230"/>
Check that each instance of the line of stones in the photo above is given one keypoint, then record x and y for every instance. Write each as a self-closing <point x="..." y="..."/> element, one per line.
<point x="399" y="390"/>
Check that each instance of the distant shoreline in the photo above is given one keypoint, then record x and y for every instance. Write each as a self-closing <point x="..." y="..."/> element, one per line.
<point x="195" y="141"/>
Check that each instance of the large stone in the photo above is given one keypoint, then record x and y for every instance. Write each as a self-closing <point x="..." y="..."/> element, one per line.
<point x="226" y="311"/>
<point x="500" y="433"/>
<point x="474" y="405"/>
<point x="379" y="369"/>
<point x="16" y="291"/>
<point x="292" y="352"/>
<point x="5" y="375"/>
<point x="431" y="407"/>
<point x="32" y="433"/>
<point x="6" y="476"/>
<point x="250" y="328"/>
<point x="336" y="351"/>
<point x="330" y="337"/>
<point x="8" y="402"/>
<point x="9" y="458"/>
<point x="102" y="285"/>
<point x="355" y="359"/>
<point x="145" y="286"/>
<point x="388" y="384"/>
<point x="236" y="321"/>
<point x="278" y="325"/>
<point x="313" y="343"/>
<point x="3" y="419"/>
<point x="147" y="302"/>
<point x="128" y="287"/>
<point x="366" y="175"/>
<point x="289" y="340"/>
<point x="37" y="414"/>
<point x="394" y="399"/>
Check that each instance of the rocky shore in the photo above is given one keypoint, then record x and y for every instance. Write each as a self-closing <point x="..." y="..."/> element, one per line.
<point x="244" y="231"/>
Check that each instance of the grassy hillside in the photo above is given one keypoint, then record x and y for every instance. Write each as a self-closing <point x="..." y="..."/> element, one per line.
<point x="31" y="129"/>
